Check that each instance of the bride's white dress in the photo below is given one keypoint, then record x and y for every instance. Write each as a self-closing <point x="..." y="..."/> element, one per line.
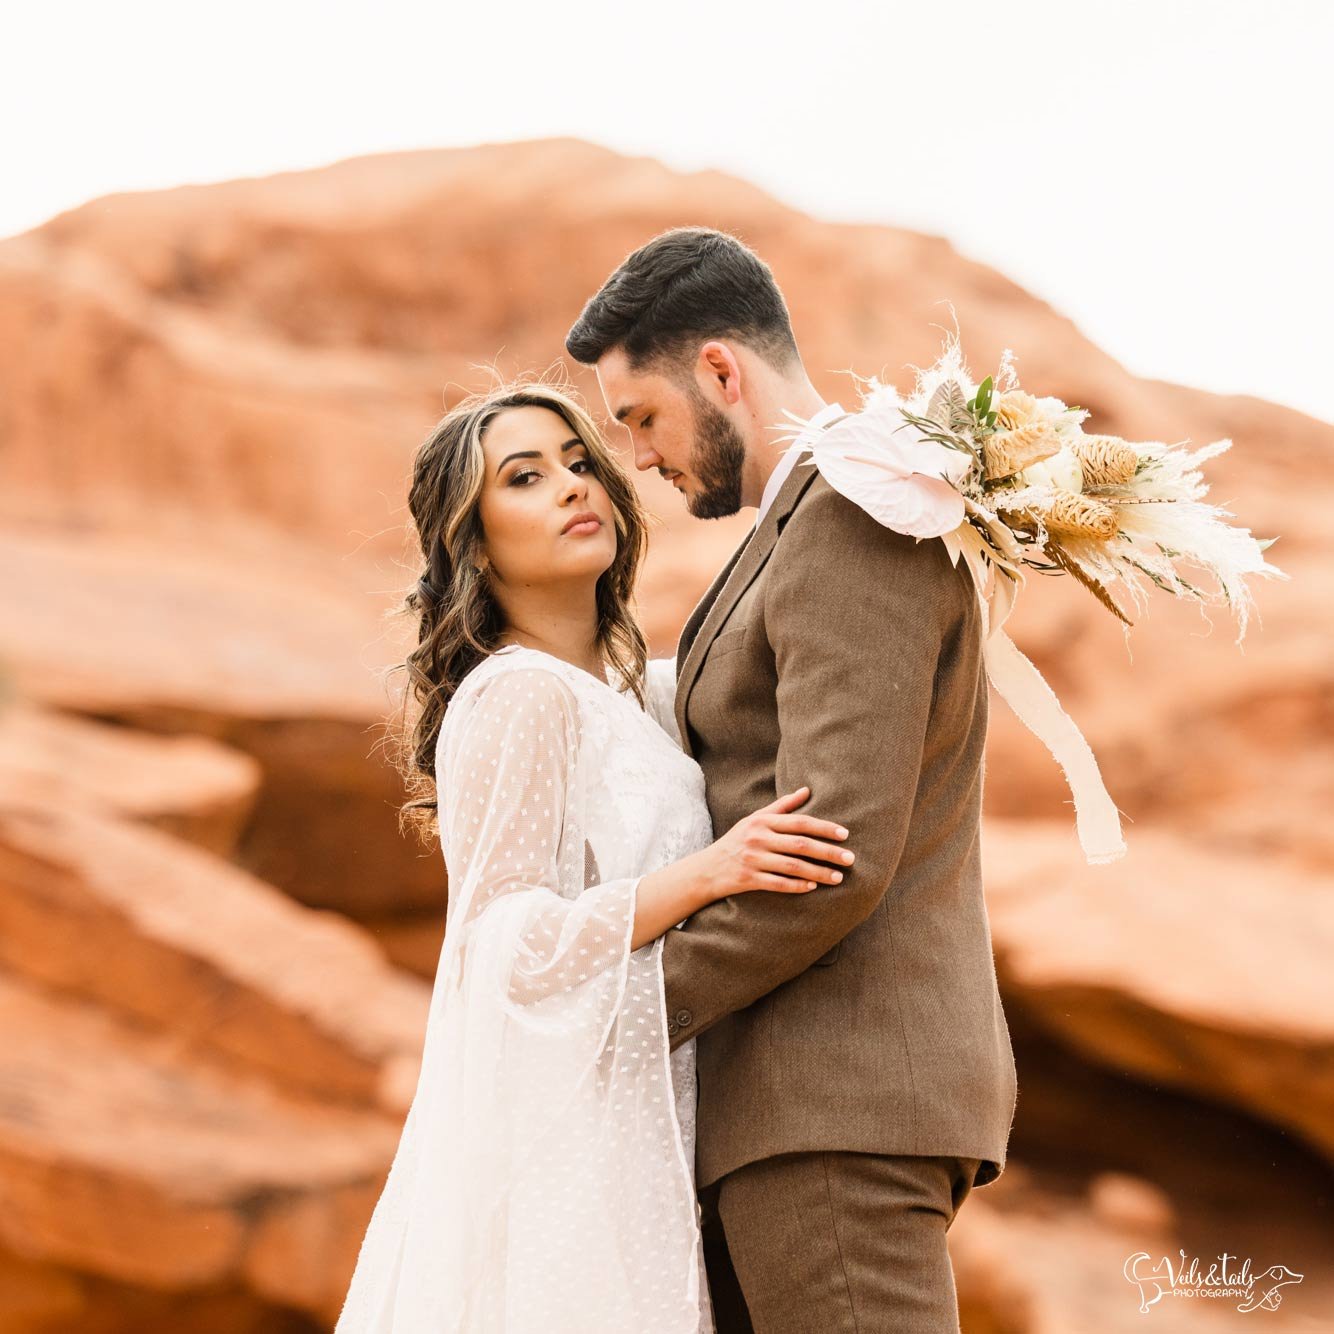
<point x="544" y="1182"/>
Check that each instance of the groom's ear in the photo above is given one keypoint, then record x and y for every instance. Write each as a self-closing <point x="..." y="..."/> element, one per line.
<point x="719" y="369"/>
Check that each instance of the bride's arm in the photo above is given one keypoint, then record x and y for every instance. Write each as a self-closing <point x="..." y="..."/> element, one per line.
<point x="514" y="848"/>
<point x="728" y="866"/>
<point x="511" y="825"/>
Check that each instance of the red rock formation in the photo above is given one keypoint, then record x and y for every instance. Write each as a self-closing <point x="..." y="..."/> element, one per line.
<point x="189" y="786"/>
<point x="181" y="940"/>
<point x="124" y="1157"/>
<point x="1187" y="968"/>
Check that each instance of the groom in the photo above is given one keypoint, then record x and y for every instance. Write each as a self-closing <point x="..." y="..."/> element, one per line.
<point x="855" y="1070"/>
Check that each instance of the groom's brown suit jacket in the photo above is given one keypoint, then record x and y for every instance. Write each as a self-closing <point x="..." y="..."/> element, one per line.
<point x="836" y="653"/>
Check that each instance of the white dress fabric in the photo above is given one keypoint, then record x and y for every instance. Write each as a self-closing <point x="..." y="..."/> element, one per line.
<point x="544" y="1181"/>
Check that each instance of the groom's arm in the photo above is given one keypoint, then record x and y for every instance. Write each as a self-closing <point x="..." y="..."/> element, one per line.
<point x="858" y="617"/>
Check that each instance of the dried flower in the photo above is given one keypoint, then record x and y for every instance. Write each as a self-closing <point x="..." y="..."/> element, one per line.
<point x="1025" y="435"/>
<point x="1107" y="460"/>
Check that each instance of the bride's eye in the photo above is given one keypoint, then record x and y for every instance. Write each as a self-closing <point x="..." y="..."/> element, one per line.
<point x="518" y="478"/>
<point x="586" y="464"/>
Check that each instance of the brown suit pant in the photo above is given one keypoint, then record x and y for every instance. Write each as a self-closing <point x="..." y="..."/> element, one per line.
<point x="835" y="1241"/>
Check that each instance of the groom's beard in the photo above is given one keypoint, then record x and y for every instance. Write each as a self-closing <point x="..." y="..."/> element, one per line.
<point x="716" y="459"/>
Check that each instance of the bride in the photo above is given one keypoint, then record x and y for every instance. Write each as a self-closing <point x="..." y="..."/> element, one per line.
<point x="544" y="1181"/>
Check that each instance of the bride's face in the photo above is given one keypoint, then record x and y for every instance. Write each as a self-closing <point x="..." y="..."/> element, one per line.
<point x="545" y="514"/>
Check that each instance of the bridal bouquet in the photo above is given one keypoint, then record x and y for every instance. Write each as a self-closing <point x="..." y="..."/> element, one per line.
<point x="1011" y="482"/>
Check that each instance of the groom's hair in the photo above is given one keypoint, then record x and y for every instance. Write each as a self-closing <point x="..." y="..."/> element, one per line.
<point x="679" y="290"/>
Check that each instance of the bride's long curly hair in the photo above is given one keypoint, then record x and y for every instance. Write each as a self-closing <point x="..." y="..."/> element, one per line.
<point x="459" y="621"/>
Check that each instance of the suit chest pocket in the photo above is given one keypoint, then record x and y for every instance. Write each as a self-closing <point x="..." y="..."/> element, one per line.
<point x="727" y="642"/>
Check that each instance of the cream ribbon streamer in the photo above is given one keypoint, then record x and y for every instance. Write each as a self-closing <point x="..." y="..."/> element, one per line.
<point x="998" y="576"/>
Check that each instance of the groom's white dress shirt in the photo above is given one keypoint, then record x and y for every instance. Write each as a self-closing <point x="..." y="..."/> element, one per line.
<point x="788" y="460"/>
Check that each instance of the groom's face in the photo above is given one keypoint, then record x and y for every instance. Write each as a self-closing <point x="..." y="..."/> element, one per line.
<point x="675" y="430"/>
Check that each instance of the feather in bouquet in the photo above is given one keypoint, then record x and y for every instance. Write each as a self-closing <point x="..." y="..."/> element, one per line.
<point x="1011" y="482"/>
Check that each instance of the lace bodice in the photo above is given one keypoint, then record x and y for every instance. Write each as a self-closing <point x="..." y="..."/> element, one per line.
<point x="545" y="1178"/>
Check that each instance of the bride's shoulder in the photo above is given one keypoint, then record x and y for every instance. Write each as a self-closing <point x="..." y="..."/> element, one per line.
<point x="511" y="699"/>
<point x="660" y="693"/>
<point x="517" y="682"/>
<point x="516" y="670"/>
<point x="661" y="673"/>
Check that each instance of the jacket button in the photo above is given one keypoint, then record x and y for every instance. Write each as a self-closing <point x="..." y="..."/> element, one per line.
<point x="672" y="1028"/>
<point x="683" y="1017"/>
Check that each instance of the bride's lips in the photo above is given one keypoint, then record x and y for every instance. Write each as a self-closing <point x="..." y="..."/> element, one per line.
<point x="582" y="524"/>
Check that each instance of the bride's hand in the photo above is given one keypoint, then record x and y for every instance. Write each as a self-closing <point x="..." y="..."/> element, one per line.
<point x="774" y="849"/>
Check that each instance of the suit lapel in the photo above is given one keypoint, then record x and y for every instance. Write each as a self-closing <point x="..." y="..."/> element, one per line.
<point x="726" y="590"/>
<point x="696" y="618"/>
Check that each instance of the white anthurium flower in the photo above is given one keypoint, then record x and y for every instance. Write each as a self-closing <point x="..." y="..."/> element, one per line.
<point x="888" y="467"/>
<point x="1062" y="470"/>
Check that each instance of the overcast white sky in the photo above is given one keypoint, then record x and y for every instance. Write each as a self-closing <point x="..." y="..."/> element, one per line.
<point x="1160" y="170"/>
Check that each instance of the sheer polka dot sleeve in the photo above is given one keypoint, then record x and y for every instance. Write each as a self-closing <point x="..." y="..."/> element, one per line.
<point x="507" y="771"/>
